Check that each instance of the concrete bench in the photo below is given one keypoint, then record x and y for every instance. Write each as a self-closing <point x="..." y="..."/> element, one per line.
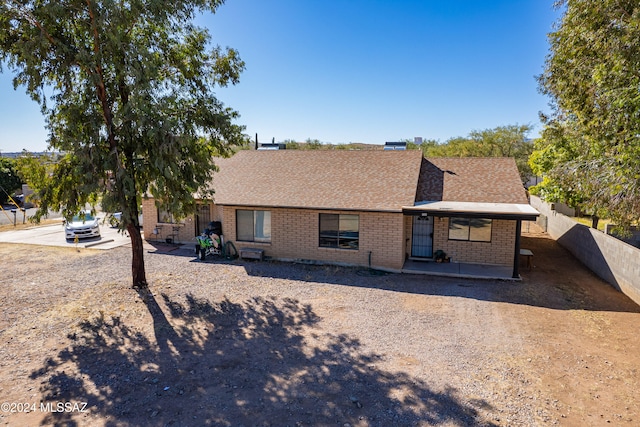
<point x="252" y="253"/>
<point x="528" y="254"/>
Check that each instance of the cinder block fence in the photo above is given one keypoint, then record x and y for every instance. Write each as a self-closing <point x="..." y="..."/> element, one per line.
<point x="613" y="260"/>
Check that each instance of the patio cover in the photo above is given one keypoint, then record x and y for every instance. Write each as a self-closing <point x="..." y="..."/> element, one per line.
<point x="516" y="211"/>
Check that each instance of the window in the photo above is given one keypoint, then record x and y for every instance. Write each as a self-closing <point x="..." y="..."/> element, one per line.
<point x="253" y="226"/>
<point x="470" y="229"/>
<point x="164" y="216"/>
<point x="339" y="231"/>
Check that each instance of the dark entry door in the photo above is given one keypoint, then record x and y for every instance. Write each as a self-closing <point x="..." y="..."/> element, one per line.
<point x="203" y="218"/>
<point x="422" y="237"/>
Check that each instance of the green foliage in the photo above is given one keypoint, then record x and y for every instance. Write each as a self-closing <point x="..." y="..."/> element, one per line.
<point x="313" y="144"/>
<point x="349" y="147"/>
<point x="592" y="141"/>
<point x="9" y="179"/>
<point x="132" y="102"/>
<point x="554" y="148"/>
<point x="426" y="144"/>
<point x="291" y="144"/>
<point x="36" y="171"/>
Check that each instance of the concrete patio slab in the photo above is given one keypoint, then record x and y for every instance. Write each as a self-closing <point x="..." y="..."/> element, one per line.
<point x="459" y="269"/>
<point x="53" y="235"/>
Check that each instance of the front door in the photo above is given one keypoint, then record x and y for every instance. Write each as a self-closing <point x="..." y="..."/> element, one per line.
<point x="203" y="218"/>
<point x="422" y="237"/>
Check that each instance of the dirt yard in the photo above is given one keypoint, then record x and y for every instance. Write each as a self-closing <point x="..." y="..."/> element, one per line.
<point x="224" y="343"/>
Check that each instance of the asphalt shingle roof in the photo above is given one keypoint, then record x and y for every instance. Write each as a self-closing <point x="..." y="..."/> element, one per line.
<point x="322" y="179"/>
<point x="362" y="180"/>
<point x="471" y="179"/>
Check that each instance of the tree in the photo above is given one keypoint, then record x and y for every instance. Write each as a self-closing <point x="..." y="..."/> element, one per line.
<point x="291" y="144"/>
<point x="312" y="144"/>
<point x="36" y="171"/>
<point x="502" y="141"/>
<point x="592" y="75"/>
<point x="9" y="179"/>
<point x="127" y="90"/>
<point x="559" y="145"/>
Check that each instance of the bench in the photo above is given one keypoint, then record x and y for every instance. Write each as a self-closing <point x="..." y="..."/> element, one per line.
<point x="252" y="253"/>
<point x="528" y="255"/>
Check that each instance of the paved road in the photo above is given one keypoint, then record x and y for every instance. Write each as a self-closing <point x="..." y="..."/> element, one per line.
<point x="6" y="217"/>
<point x="53" y="235"/>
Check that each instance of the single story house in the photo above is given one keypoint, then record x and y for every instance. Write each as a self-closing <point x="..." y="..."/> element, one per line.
<point x="362" y="208"/>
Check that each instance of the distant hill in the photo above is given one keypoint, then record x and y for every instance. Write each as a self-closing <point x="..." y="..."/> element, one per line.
<point x="15" y="155"/>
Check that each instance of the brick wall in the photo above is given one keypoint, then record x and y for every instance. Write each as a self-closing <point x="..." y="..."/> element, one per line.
<point x="499" y="251"/>
<point x="185" y="229"/>
<point x="150" y="217"/>
<point x="217" y="213"/>
<point x="386" y="235"/>
<point x="295" y="236"/>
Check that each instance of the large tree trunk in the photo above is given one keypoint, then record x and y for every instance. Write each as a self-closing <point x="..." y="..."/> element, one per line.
<point x="137" y="260"/>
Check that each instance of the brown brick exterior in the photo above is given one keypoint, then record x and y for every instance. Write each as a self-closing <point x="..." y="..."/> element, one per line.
<point x="499" y="251"/>
<point x="294" y="236"/>
<point x="186" y="228"/>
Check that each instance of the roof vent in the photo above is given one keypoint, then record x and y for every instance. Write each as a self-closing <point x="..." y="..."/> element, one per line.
<point x="272" y="146"/>
<point x="395" y="146"/>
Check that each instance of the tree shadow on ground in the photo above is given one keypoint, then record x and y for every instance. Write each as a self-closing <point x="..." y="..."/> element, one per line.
<point x="557" y="281"/>
<point x="262" y="362"/>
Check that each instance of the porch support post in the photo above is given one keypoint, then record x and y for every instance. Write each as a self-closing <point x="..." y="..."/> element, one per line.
<point x="516" y="252"/>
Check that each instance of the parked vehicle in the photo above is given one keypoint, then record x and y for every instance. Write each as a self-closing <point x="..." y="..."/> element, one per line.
<point x="209" y="243"/>
<point x="18" y="199"/>
<point x="82" y="226"/>
<point x="115" y="218"/>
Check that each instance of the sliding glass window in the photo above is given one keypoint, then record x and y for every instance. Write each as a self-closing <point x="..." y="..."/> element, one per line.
<point x="253" y="226"/>
<point x="470" y="229"/>
<point x="339" y="231"/>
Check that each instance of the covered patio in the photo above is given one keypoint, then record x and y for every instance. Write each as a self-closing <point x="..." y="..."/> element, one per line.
<point x="513" y="213"/>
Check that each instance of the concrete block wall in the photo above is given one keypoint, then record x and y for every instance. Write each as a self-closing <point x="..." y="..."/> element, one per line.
<point x="295" y="236"/>
<point x="613" y="260"/>
<point x="498" y="252"/>
<point x="633" y="239"/>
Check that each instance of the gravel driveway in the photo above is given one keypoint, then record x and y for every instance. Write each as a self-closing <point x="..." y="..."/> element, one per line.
<point x="269" y="344"/>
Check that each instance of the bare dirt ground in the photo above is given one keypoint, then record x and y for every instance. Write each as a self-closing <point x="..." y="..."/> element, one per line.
<point x="269" y="344"/>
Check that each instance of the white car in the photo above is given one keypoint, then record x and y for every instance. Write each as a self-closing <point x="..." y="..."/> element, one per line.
<point x="82" y="225"/>
<point x="116" y="217"/>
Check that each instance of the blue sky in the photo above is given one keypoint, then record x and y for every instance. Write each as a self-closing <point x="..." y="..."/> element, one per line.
<point x="367" y="71"/>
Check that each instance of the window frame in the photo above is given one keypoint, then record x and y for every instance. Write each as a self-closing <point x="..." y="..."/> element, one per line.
<point x="165" y="214"/>
<point x="263" y="237"/>
<point x="337" y="239"/>
<point x="470" y="236"/>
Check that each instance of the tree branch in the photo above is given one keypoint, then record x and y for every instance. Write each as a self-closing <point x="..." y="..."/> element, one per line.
<point x="101" y="90"/>
<point x="32" y="19"/>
